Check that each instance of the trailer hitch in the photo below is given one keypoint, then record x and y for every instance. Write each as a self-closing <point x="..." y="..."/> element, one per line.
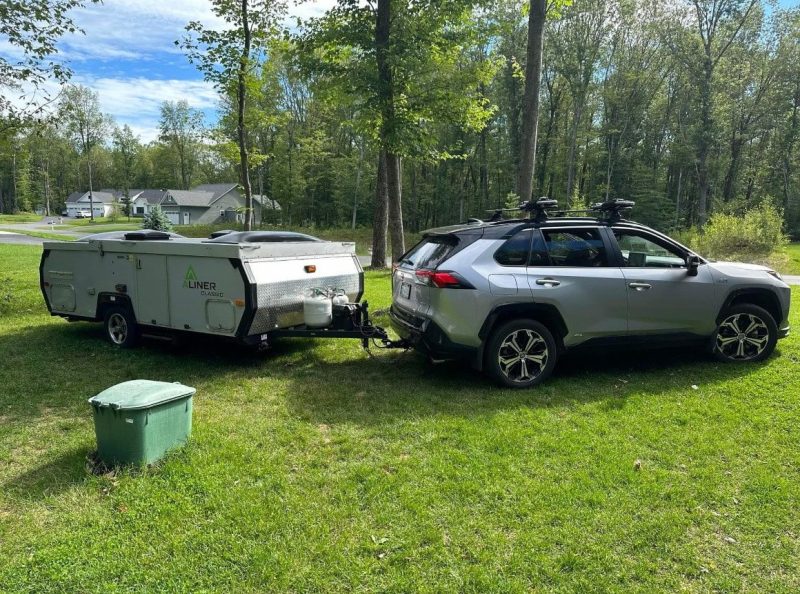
<point x="349" y="321"/>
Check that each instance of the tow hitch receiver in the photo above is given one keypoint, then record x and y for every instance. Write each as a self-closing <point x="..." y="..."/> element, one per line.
<point x="349" y="321"/>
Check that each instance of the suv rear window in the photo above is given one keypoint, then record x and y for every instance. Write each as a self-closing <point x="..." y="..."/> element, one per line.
<point x="429" y="253"/>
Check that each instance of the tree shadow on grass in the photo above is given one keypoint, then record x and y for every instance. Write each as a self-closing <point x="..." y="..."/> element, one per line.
<point x="50" y="478"/>
<point x="62" y="365"/>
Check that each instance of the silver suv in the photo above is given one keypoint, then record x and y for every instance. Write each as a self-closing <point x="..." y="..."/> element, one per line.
<point x="512" y="295"/>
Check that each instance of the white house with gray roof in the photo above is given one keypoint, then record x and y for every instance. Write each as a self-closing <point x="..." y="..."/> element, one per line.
<point x="204" y="204"/>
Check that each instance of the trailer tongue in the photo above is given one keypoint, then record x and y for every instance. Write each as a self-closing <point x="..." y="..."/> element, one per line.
<point x="252" y="286"/>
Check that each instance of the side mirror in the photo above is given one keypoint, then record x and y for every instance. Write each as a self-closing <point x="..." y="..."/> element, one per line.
<point x="692" y="262"/>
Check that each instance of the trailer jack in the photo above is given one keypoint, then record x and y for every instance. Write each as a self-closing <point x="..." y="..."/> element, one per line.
<point x="349" y="321"/>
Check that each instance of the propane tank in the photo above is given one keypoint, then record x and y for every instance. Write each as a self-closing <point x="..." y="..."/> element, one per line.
<point x="318" y="309"/>
<point x="340" y="298"/>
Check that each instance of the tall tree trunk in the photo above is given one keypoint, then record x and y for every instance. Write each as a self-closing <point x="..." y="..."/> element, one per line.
<point x="91" y="196"/>
<point x="389" y="160"/>
<point x="394" y="178"/>
<point x="729" y="186"/>
<point x="358" y="183"/>
<point x="483" y="175"/>
<point x="530" y="109"/>
<point x="573" y="146"/>
<point x="241" y="97"/>
<point x="381" y="217"/>
<point x="705" y="131"/>
<point x="548" y="135"/>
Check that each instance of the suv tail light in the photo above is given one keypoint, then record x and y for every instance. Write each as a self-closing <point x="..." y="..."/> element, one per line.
<point x="441" y="279"/>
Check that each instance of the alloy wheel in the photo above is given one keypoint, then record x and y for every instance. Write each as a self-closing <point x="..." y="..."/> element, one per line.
<point x="522" y="355"/>
<point x="117" y="328"/>
<point x="742" y="336"/>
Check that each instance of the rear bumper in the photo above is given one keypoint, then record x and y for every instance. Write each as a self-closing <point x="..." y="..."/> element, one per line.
<point x="426" y="336"/>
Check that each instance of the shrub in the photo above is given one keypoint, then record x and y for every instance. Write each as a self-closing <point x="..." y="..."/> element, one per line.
<point x="157" y="220"/>
<point x="755" y="234"/>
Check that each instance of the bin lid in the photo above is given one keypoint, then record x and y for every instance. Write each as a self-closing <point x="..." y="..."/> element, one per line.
<point x="138" y="394"/>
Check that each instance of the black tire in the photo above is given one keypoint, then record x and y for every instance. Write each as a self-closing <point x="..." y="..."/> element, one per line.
<point x="746" y="333"/>
<point x="539" y="349"/>
<point x="121" y="327"/>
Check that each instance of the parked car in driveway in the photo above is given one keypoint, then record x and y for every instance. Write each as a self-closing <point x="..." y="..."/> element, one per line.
<point x="513" y="295"/>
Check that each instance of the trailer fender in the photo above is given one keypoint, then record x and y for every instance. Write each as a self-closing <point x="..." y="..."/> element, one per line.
<point x="105" y="300"/>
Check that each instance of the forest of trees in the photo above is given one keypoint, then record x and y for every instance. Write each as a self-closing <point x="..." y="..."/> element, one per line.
<point x="411" y="113"/>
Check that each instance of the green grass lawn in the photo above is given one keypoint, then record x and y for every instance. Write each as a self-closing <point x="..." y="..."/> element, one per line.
<point x="792" y="264"/>
<point x="24" y="217"/>
<point x="315" y="468"/>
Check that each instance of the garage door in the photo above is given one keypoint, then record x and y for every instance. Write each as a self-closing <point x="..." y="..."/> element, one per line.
<point x="174" y="217"/>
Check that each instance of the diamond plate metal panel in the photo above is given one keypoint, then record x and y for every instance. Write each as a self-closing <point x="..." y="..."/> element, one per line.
<point x="280" y="303"/>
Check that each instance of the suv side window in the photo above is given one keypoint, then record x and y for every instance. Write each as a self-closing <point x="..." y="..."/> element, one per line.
<point x="643" y="251"/>
<point x="576" y="247"/>
<point x="515" y="251"/>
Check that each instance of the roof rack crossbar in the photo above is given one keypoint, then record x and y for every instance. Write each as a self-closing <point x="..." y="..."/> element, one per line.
<point x="609" y="211"/>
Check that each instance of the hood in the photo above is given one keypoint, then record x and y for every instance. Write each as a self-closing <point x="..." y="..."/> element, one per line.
<point x="734" y="267"/>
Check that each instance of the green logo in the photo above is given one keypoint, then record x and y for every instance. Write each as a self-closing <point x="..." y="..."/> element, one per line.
<point x="190" y="276"/>
<point x="190" y="281"/>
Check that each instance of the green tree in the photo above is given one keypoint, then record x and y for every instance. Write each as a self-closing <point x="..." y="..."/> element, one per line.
<point x="156" y="220"/>
<point x="32" y="27"/>
<point x="86" y="125"/>
<point x="229" y="57"/>
<point x="180" y="130"/>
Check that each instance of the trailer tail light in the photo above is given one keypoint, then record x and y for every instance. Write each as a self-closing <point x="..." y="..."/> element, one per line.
<point x="310" y="268"/>
<point x="442" y="279"/>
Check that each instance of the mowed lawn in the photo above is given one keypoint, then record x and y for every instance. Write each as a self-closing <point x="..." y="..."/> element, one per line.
<point x="314" y="468"/>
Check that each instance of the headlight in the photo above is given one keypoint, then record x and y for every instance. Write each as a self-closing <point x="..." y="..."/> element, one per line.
<point x="775" y="274"/>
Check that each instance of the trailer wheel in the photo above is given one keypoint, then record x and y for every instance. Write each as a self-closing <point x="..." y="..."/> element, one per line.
<point x="121" y="327"/>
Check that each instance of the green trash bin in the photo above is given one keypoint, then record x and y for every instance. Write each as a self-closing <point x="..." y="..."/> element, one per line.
<point x="136" y="422"/>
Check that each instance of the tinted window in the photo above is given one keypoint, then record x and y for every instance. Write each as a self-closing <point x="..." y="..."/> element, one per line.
<point x="575" y="247"/>
<point x="514" y="252"/>
<point x="429" y="253"/>
<point x="639" y="251"/>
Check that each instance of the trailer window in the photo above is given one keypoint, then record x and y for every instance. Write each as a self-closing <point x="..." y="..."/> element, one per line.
<point x="429" y="253"/>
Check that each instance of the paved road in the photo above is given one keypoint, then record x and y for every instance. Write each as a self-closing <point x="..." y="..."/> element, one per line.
<point x="6" y="237"/>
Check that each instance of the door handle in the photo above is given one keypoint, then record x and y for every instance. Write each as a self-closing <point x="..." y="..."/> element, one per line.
<point x="639" y="286"/>
<point x="547" y="282"/>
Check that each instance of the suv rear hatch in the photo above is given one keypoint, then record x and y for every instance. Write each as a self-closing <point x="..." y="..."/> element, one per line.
<point x="412" y="279"/>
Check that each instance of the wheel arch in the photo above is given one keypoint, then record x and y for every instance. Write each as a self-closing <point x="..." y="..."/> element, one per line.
<point x="545" y="313"/>
<point x="106" y="300"/>
<point x="763" y="298"/>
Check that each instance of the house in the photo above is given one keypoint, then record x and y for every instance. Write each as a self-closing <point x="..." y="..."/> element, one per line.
<point x="210" y="203"/>
<point x="143" y="200"/>
<point x="102" y="202"/>
<point x="204" y="204"/>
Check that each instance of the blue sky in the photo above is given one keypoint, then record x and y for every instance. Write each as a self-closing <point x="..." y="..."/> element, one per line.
<point x="128" y="56"/>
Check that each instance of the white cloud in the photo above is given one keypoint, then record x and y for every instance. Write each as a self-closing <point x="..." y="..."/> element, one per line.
<point x="137" y="101"/>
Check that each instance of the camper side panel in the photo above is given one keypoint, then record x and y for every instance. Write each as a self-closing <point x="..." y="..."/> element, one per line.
<point x="73" y="280"/>
<point x="206" y="294"/>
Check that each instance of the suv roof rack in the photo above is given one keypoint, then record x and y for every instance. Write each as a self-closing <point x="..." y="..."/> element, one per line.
<point x="609" y="211"/>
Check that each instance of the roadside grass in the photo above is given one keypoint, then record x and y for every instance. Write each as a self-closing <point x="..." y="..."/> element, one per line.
<point x="24" y="217"/>
<point x="99" y="227"/>
<point x="40" y="234"/>
<point x="791" y="265"/>
<point x="314" y="468"/>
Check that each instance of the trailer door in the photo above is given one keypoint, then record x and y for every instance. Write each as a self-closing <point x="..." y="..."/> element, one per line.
<point x="152" y="290"/>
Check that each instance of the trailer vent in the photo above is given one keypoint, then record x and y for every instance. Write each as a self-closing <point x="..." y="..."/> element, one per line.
<point x="147" y="236"/>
